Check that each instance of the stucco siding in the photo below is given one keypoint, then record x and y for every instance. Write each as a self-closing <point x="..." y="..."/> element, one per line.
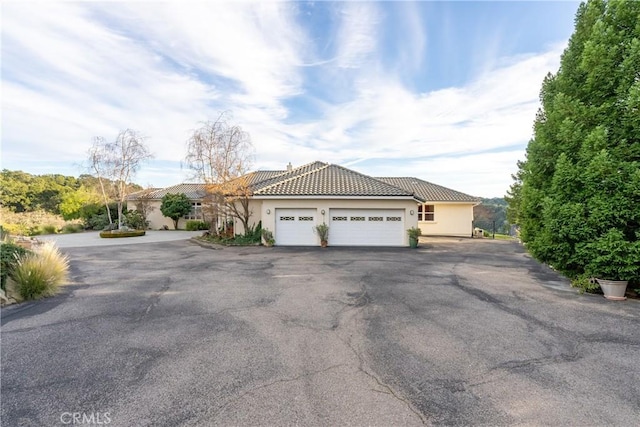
<point x="269" y="206"/>
<point x="450" y="219"/>
<point x="254" y="218"/>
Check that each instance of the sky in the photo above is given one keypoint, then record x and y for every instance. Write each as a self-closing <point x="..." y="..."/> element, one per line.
<point x="443" y="91"/>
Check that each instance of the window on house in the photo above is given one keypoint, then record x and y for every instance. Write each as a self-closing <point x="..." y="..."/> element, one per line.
<point x="196" y="211"/>
<point x="426" y="212"/>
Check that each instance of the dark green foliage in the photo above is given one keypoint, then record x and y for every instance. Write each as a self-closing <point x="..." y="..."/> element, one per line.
<point x="8" y="254"/>
<point x="489" y="212"/>
<point x="72" y="228"/>
<point x="175" y="206"/>
<point x="23" y="192"/>
<point x="193" y="225"/>
<point x="115" y="234"/>
<point x="55" y="193"/>
<point x="94" y="216"/>
<point x="252" y="237"/>
<point x="254" y="232"/>
<point x="577" y="195"/>
<point x="135" y="220"/>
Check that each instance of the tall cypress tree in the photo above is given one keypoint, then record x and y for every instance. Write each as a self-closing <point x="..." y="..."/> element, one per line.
<point x="579" y="188"/>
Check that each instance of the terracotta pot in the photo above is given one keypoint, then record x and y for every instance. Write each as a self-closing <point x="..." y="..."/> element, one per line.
<point x="323" y="243"/>
<point x="613" y="289"/>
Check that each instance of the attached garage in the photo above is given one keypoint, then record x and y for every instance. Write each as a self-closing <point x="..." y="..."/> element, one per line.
<point x="294" y="227"/>
<point x="366" y="227"/>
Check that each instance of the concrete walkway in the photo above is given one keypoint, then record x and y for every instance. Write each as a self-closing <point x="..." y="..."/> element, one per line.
<point x="92" y="238"/>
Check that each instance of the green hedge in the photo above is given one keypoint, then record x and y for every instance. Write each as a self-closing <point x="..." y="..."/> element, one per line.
<point x="196" y="225"/>
<point x="117" y="234"/>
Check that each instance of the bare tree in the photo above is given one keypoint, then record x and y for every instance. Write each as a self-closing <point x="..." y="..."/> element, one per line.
<point x="218" y="154"/>
<point x="144" y="202"/>
<point x="116" y="163"/>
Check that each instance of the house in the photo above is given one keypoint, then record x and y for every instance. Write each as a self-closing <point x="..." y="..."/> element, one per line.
<point x="360" y="210"/>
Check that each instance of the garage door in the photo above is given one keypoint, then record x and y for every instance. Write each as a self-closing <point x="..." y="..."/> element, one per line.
<point x="295" y="227"/>
<point x="366" y="227"/>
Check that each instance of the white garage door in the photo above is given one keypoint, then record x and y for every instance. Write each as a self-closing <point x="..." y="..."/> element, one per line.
<point x="366" y="227"/>
<point x="294" y="227"/>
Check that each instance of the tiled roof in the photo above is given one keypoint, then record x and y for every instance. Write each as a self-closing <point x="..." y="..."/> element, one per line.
<point x="322" y="179"/>
<point x="429" y="191"/>
<point x="192" y="191"/>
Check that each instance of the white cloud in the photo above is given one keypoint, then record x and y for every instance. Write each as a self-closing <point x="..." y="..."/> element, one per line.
<point x="72" y="71"/>
<point x="357" y="36"/>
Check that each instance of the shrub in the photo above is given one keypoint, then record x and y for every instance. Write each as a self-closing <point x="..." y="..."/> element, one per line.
<point x="8" y="257"/>
<point x="48" y="229"/>
<point x="193" y="225"/>
<point x="135" y="220"/>
<point x="414" y="232"/>
<point x="267" y="235"/>
<point x="39" y="273"/>
<point x="116" y="234"/>
<point x="71" y="228"/>
<point x="30" y="223"/>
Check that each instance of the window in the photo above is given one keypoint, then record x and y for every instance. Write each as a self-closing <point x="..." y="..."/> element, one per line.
<point x="426" y="212"/>
<point x="376" y="218"/>
<point x="287" y="218"/>
<point x="357" y="218"/>
<point x="305" y="218"/>
<point x="339" y="218"/>
<point x="196" y="211"/>
<point x="394" y="218"/>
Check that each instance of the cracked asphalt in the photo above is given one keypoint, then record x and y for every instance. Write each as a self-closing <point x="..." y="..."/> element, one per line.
<point x="457" y="332"/>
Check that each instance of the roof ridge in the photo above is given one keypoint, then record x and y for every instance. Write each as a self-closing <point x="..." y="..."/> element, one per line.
<point x="411" y="193"/>
<point x="325" y="165"/>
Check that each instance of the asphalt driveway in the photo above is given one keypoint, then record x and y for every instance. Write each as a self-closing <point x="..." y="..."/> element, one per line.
<point x="457" y="332"/>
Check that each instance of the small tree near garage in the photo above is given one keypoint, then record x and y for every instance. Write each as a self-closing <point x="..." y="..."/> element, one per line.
<point x="175" y="206"/>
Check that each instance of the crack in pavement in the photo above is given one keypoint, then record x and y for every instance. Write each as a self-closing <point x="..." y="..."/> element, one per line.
<point x="361" y="363"/>
<point x="272" y="383"/>
<point x="154" y="299"/>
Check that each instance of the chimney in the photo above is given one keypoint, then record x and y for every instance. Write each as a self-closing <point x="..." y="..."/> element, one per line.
<point x="289" y="167"/>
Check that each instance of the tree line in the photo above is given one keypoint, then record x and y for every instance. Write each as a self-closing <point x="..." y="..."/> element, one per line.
<point x="576" y="196"/>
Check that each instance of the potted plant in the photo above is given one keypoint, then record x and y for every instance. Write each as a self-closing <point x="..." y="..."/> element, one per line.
<point x="322" y="230"/>
<point x="414" y="233"/>
<point x="267" y="238"/>
<point x="613" y="261"/>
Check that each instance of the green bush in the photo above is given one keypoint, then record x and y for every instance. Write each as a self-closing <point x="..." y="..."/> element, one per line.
<point x="267" y="235"/>
<point x="94" y="216"/>
<point x="8" y="258"/>
<point x="116" y="234"/>
<point x="135" y="220"/>
<point x="48" y="229"/>
<point x="193" y="225"/>
<point x="72" y="228"/>
<point x="39" y="273"/>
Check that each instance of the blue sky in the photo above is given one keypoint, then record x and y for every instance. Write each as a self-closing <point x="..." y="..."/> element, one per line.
<point x="444" y="91"/>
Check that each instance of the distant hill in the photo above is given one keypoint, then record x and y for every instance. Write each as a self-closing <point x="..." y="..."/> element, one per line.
<point x="23" y="192"/>
<point x="490" y="211"/>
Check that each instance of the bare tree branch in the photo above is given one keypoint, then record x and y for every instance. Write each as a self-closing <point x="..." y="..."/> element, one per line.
<point x="116" y="163"/>
<point x="218" y="154"/>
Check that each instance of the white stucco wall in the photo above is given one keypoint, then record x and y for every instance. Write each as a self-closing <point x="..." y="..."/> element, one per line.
<point x="269" y="219"/>
<point x="450" y="219"/>
<point x="254" y="218"/>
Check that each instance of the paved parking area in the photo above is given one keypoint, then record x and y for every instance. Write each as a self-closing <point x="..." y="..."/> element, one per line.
<point x="457" y="332"/>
